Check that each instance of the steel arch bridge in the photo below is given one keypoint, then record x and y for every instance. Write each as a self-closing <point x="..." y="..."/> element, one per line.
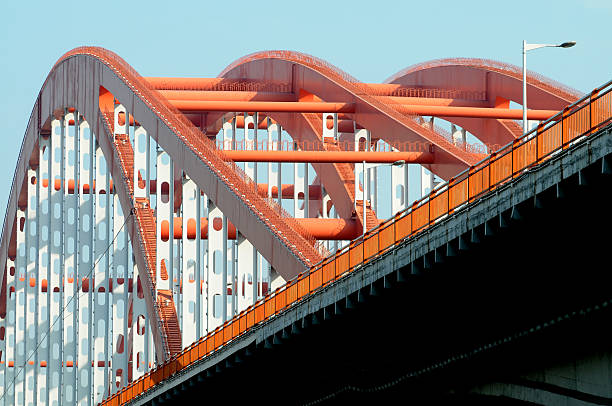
<point x="133" y="229"/>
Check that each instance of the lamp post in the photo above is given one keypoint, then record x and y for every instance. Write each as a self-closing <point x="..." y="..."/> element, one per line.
<point x="529" y="47"/>
<point x="365" y="186"/>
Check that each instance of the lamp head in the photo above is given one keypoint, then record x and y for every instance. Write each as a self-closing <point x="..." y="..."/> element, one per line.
<point x="568" y="44"/>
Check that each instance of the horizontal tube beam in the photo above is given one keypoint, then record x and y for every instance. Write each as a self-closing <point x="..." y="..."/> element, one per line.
<point x="325" y="107"/>
<point x="329" y="156"/>
<point x="474" y="112"/>
<point x="314" y="191"/>
<point x="239" y="85"/>
<point x="321" y="229"/>
<point x="262" y="106"/>
<point x="200" y="95"/>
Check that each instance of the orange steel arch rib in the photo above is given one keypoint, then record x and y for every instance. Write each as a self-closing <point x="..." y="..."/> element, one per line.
<point x="304" y="73"/>
<point x="74" y="80"/>
<point x="328" y="83"/>
<point x="495" y="82"/>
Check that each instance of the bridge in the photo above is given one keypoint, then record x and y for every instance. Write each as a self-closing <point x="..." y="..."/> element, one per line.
<point x="156" y="246"/>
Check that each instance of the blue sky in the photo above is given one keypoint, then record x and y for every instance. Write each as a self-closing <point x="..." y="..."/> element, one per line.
<point x="370" y="40"/>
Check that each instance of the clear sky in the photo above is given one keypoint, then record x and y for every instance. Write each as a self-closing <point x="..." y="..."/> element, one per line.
<point x="370" y="40"/>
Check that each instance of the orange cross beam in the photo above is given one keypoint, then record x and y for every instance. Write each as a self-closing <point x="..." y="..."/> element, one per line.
<point x="329" y="156"/>
<point x="327" y="107"/>
<point x="321" y="229"/>
<point x="263" y="106"/>
<point x="314" y="191"/>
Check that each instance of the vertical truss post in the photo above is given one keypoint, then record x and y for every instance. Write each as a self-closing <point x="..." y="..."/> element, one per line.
<point x="279" y="178"/>
<point x="300" y="183"/>
<point x="427" y="181"/>
<point x="85" y="264"/>
<point x="70" y="258"/>
<point x="140" y="328"/>
<point x="11" y="310"/>
<point x="56" y="257"/>
<point x="327" y="131"/>
<point x="31" y="282"/>
<point x="42" y="303"/>
<point x="165" y="217"/>
<point x="190" y="320"/>
<point x="20" y="309"/>
<point x="217" y="266"/>
<point x="141" y="163"/>
<point x="273" y="168"/>
<point x="102" y="203"/>
<point x="247" y="254"/>
<point x="459" y="137"/>
<point x="229" y="136"/>
<point x="119" y="291"/>
<point x="399" y="187"/>
<point x="42" y="232"/>
<point x="205" y="261"/>
<point x="361" y="136"/>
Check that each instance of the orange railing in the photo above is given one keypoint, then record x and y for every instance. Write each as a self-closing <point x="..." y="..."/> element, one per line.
<point x="581" y="119"/>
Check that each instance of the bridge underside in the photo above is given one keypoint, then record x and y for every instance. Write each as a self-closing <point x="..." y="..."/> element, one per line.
<point x="510" y="310"/>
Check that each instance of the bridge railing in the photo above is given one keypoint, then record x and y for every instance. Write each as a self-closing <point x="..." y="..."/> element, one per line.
<point x="571" y="125"/>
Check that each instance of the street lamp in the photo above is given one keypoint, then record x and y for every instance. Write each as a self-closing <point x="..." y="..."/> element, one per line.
<point x="365" y="186"/>
<point x="529" y="47"/>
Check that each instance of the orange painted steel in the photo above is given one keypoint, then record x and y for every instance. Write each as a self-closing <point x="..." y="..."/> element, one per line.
<point x="497" y="83"/>
<point x="216" y="84"/>
<point x="321" y="229"/>
<point x="287" y="190"/>
<point x="290" y="97"/>
<point x="199" y="95"/>
<point x="474" y="112"/>
<point x="326" y="107"/>
<point x="279" y="107"/>
<point x="579" y="120"/>
<point x="329" y="156"/>
<point x="235" y="179"/>
<point x="57" y="184"/>
<point x="434" y="101"/>
<point x="162" y="310"/>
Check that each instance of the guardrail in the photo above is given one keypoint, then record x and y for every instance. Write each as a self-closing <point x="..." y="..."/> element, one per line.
<point x="569" y="126"/>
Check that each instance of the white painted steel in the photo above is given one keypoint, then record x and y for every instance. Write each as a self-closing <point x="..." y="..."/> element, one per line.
<point x="85" y="265"/>
<point x="164" y="212"/>
<point x="20" y="308"/>
<point x="101" y="275"/>
<point x="190" y="313"/>
<point x="427" y="181"/>
<point x="217" y="267"/>
<point x="330" y="132"/>
<point x="69" y="286"/>
<point x="248" y="264"/>
<point x="141" y="160"/>
<point x="56" y="265"/>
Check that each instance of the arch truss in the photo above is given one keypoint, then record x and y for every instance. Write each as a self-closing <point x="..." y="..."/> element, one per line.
<point x="146" y="212"/>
